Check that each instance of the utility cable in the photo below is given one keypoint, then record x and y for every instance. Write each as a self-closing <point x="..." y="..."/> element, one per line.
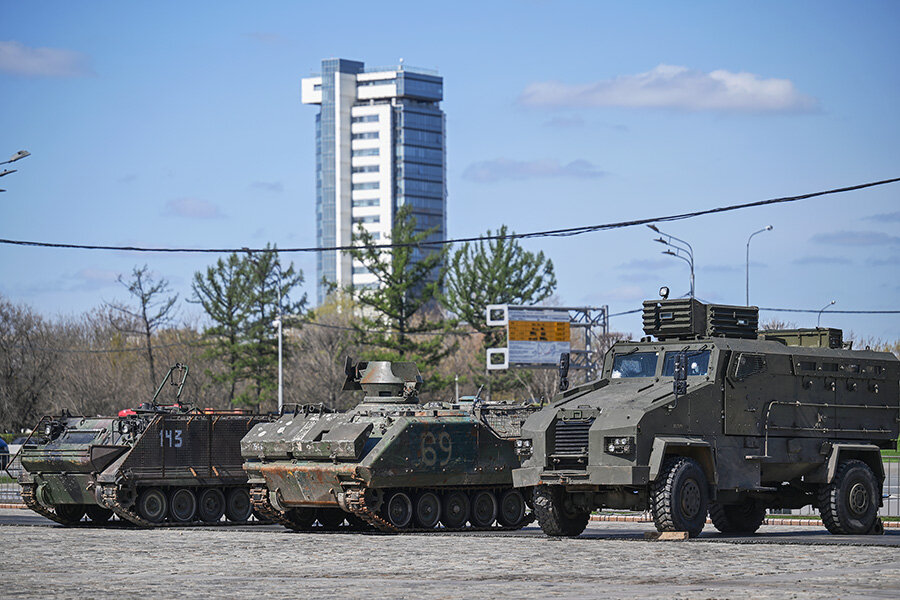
<point x="567" y="232"/>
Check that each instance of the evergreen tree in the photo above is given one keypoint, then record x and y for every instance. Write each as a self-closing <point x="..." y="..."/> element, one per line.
<point x="400" y="317"/>
<point x="224" y="293"/>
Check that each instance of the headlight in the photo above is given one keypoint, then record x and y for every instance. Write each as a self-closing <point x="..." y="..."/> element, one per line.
<point x="48" y="429"/>
<point x="523" y="447"/>
<point x="619" y="445"/>
<point x="126" y="427"/>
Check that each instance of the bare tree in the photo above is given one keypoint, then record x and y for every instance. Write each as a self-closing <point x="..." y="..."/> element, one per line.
<point x="154" y="309"/>
<point x="27" y="362"/>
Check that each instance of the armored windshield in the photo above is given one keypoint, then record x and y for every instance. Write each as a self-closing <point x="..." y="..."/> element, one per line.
<point x="636" y="364"/>
<point x="697" y="363"/>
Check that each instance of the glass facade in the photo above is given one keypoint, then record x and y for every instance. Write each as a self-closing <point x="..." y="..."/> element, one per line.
<point x="414" y="134"/>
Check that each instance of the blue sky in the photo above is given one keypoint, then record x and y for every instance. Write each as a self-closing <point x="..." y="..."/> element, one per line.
<point x="180" y="124"/>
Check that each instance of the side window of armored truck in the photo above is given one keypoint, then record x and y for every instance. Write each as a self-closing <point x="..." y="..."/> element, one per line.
<point x="635" y="364"/>
<point x="746" y="364"/>
<point x="697" y="363"/>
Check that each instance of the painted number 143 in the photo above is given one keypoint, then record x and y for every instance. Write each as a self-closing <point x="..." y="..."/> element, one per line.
<point x="170" y="438"/>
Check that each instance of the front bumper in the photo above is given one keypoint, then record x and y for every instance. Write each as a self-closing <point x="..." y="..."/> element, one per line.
<point x="304" y="484"/>
<point x="591" y="476"/>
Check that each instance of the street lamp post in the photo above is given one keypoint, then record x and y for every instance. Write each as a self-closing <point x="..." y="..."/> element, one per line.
<point x="766" y="228"/>
<point x="279" y="323"/>
<point x="819" y="319"/>
<point x="685" y="252"/>
<point x="17" y="156"/>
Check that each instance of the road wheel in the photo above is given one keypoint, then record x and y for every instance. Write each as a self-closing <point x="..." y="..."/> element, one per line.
<point x="330" y="518"/>
<point x="98" y="514"/>
<point x="512" y="508"/>
<point x="849" y="504"/>
<point x="237" y="505"/>
<point x="455" y="512"/>
<point x="152" y="505"/>
<point x="556" y="513"/>
<point x="737" y="518"/>
<point x="399" y="510"/>
<point x="428" y="510"/>
<point x="211" y="505"/>
<point x="300" y="519"/>
<point x="70" y="513"/>
<point x="484" y="509"/>
<point x="679" y="498"/>
<point x="182" y="505"/>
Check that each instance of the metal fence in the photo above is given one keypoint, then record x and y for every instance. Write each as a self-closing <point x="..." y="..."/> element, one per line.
<point x="9" y="489"/>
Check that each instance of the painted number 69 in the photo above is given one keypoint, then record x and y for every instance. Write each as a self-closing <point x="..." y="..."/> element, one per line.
<point x="433" y="446"/>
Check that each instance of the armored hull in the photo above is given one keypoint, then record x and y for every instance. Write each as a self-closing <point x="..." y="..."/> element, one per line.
<point x="716" y="416"/>
<point x="153" y="467"/>
<point x="390" y="463"/>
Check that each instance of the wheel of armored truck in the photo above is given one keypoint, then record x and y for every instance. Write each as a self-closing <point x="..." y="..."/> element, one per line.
<point x="182" y="505"/>
<point x="70" y="513"/>
<point x="849" y="504"/>
<point x="152" y="505"/>
<point x="399" y="510"/>
<point x="98" y="514"/>
<point x="737" y="518"/>
<point x="455" y="511"/>
<point x="330" y="518"/>
<point x="484" y="509"/>
<point x="237" y="505"/>
<point x="427" y="510"/>
<point x="211" y="505"/>
<point x="512" y="508"/>
<point x="557" y="514"/>
<point x="679" y="498"/>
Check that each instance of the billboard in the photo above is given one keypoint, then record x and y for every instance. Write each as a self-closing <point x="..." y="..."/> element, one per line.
<point x="536" y="335"/>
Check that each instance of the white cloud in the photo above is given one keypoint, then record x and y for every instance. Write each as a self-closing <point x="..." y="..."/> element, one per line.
<point x="668" y="86"/>
<point x="19" y="59"/>
<point x="505" y="168"/>
<point x="192" y="208"/>
<point x="856" y="238"/>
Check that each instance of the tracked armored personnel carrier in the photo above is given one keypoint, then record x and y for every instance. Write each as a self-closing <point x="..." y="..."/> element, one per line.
<point x="714" y="416"/>
<point x="390" y="463"/>
<point x="157" y="465"/>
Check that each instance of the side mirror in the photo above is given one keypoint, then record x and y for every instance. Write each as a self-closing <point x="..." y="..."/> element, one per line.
<point x="680" y="373"/>
<point x="563" y="371"/>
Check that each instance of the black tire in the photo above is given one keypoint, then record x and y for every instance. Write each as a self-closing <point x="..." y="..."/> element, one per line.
<point x="237" y="505"/>
<point x="849" y="504"/>
<point x="98" y="514"/>
<point x="398" y="510"/>
<point x="300" y="519"/>
<point x="152" y="505"/>
<point x="737" y="518"/>
<point x="427" y="510"/>
<point x="511" y="512"/>
<point x="484" y="509"/>
<point x="455" y="510"/>
<point x="70" y="513"/>
<point x="331" y="518"/>
<point x="182" y="505"/>
<point x="211" y="505"/>
<point x="679" y="498"/>
<point x="556" y="514"/>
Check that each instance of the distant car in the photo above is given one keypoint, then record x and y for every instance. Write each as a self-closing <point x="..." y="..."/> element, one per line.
<point x="4" y="453"/>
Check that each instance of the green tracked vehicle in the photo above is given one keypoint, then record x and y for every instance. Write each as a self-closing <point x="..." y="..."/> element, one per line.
<point x="390" y="463"/>
<point x="715" y="417"/>
<point x="156" y="465"/>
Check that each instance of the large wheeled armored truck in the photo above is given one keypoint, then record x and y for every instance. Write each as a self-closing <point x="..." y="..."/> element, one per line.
<point x="716" y="417"/>
<point x="157" y="465"/>
<point x="390" y="463"/>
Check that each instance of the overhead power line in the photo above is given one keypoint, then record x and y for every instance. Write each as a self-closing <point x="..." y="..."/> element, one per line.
<point x="567" y="232"/>
<point x="831" y="312"/>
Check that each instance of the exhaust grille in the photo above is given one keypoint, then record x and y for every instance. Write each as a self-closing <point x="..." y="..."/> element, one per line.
<point x="571" y="437"/>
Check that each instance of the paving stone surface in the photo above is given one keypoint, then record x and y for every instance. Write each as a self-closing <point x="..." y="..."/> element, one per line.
<point x="270" y="562"/>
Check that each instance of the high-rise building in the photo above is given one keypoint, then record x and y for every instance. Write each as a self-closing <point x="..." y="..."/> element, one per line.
<point x="379" y="146"/>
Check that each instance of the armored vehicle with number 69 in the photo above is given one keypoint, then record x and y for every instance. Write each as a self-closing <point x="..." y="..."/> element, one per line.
<point x="155" y="465"/>
<point x="715" y="417"/>
<point x="391" y="462"/>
